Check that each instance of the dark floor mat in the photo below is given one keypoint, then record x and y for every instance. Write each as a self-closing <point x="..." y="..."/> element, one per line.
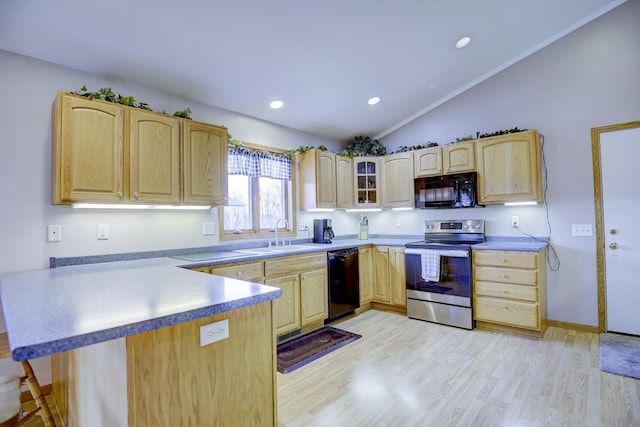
<point x="302" y="350"/>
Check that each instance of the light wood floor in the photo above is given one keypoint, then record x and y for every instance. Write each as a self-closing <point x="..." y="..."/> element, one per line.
<point x="405" y="372"/>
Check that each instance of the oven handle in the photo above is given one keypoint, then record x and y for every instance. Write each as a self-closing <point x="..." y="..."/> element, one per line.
<point x="448" y="252"/>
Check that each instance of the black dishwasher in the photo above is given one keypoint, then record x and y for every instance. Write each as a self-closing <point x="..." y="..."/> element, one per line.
<point x="344" y="283"/>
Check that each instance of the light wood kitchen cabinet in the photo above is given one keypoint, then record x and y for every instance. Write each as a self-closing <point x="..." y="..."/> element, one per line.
<point x="154" y="161"/>
<point x="109" y="153"/>
<point x="382" y="285"/>
<point x="390" y="283"/>
<point x="510" y="291"/>
<point x="366" y="274"/>
<point x="204" y="152"/>
<point x="252" y="271"/>
<point x="427" y="162"/>
<point x="317" y="179"/>
<point x="314" y="298"/>
<point x="458" y="157"/>
<point x="287" y="307"/>
<point x="367" y="182"/>
<point x="397" y="180"/>
<point x="88" y="151"/>
<point x="397" y="276"/>
<point x="345" y="192"/>
<point x="509" y="168"/>
<point x="304" y="279"/>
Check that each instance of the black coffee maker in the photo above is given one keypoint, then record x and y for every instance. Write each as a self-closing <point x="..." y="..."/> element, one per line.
<point x="322" y="231"/>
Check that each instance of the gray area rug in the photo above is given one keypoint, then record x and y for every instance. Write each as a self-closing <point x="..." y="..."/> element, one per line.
<point x="620" y="354"/>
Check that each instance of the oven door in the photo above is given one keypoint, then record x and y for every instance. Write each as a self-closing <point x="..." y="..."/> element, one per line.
<point x="451" y="283"/>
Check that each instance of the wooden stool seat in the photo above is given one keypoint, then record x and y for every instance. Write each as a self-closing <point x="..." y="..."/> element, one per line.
<point x="13" y="384"/>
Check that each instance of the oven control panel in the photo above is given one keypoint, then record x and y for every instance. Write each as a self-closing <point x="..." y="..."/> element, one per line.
<point x="454" y="226"/>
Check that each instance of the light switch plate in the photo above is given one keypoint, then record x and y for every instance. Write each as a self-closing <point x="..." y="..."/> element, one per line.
<point x="214" y="332"/>
<point x="54" y="233"/>
<point x="103" y="231"/>
<point x="209" y="228"/>
<point x="581" y="230"/>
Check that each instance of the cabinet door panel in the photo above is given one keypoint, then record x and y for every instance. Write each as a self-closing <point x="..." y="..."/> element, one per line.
<point x="249" y="271"/>
<point x="509" y="168"/>
<point x="88" y="162"/>
<point x="344" y="182"/>
<point x="326" y="187"/>
<point x="205" y="164"/>
<point x="313" y="296"/>
<point x="427" y="161"/>
<point x="382" y="286"/>
<point x="397" y="276"/>
<point x="155" y="158"/>
<point x="366" y="274"/>
<point x="287" y="307"/>
<point x="397" y="180"/>
<point x="458" y="157"/>
<point x="520" y="314"/>
<point x="506" y="275"/>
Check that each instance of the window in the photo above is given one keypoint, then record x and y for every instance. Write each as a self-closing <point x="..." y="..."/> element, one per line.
<point x="260" y="194"/>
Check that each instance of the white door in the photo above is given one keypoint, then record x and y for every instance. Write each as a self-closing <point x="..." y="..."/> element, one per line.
<point x="620" y="168"/>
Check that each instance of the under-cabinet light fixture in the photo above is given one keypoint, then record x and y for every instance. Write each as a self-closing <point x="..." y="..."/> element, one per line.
<point x="520" y="203"/>
<point x="407" y="208"/>
<point x="364" y="210"/>
<point x="320" y="210"/>
<point x="136" y="207"/>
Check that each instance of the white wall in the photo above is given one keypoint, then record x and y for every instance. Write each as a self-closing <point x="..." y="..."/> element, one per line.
<point x="588" y="78"/>
<point x="28" y="88"/>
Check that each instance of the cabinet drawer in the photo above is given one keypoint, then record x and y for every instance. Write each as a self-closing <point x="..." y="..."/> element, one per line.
<point x="513" y="259"/>
<point x="505" y="290"/>
<point x="521" y="314"/>
<point x="294" y="264"/>
<point x="250" y="271"/>
<point x="505" y="275"/>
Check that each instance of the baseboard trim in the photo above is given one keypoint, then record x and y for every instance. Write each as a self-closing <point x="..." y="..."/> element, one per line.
<point x="575" y="326"/>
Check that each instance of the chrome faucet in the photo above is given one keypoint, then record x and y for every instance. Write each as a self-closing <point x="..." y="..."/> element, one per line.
<point x="286" y="225"/>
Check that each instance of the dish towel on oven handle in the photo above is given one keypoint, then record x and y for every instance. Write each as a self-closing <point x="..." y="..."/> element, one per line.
<point x="430" y="260"/>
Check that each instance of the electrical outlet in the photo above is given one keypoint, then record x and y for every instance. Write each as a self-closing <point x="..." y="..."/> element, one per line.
<point x="214" y="332"/>
<point x="398" y="222"/>
<point x="581" y="230"/>
<point x="209" y="228"/>
<point x="103" y="231"/>
<point x="54" y="233"/>
<point x="515" y="221"/>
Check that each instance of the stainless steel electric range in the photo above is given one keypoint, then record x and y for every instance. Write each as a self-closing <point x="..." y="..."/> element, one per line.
<point x="439" y="274"/>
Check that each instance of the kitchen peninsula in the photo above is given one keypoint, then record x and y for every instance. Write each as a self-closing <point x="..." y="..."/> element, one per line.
<point x="125" y="340"/>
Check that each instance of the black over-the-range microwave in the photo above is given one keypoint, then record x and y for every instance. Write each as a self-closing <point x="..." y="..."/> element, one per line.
<point x="446" y="191"/>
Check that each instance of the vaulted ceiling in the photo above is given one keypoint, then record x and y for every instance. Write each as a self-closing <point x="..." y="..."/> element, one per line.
<point x="323" y="59"/>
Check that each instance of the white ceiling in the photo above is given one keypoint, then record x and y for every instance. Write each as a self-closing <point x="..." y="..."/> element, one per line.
<point x="324" y="59"/>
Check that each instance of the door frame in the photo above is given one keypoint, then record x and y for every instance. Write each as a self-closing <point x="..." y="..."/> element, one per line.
<point x="597" y="189"/>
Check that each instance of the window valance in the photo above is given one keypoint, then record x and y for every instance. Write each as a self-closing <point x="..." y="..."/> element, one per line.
<point x="260" y="163"/>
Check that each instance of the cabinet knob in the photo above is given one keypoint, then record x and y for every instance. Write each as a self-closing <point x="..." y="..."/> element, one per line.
<point x="613" y="245"/>
<point x="504" y="276"/>
<point x="503" y="260"/>
<point x="119" y="194"/>
<point x="135" y="194"/>
<point x="613" y="231"/>
<point x="239" y="273"/>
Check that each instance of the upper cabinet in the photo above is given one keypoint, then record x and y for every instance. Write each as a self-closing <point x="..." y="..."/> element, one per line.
<point x="88" y="151"/>
<point x="344" y="182"/>
<point x="317" y="179"/>
<point x="508" y="168"/>
<point x="397" y="180"/>
<point x="154" y="160"/>
<point x="110" y="153"/>
<point x="205" y="163"/>
<point x="367" y="181"/>
<point x="427" y="162"/>
<point x="458" y="157"/>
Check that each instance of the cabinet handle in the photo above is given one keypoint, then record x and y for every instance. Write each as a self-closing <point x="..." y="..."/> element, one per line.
<point x="135" y="195"/>
<point x="239" y="273"/>
<point x="504" y="276"/>
<point x="119" y="194"/>
<point x="503" y="260"/>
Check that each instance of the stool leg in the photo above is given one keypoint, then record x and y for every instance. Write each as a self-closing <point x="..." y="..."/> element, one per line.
<point x="36" y="393"/>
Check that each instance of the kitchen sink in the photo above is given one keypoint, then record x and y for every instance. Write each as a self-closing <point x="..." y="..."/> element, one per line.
<point x="274" y="249"/>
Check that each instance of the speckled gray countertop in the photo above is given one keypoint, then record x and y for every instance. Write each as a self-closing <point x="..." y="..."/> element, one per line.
<point x="55" y="310"/>
<point x="87" y="300"/>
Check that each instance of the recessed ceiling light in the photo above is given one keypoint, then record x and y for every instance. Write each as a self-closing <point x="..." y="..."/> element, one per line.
<point x="277" y="104"/>
<point x="463" y="42"/>
<point x="374" y="100"/>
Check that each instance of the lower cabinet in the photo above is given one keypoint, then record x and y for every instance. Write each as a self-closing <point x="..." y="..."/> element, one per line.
<point x="366" y="274"/>
<point x="303" y="280"/>
<point x="510" y="291"/>
<point x="390" y="284"/>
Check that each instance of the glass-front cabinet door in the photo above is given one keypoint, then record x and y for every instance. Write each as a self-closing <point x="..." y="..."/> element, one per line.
<point x="367" y="180"/>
